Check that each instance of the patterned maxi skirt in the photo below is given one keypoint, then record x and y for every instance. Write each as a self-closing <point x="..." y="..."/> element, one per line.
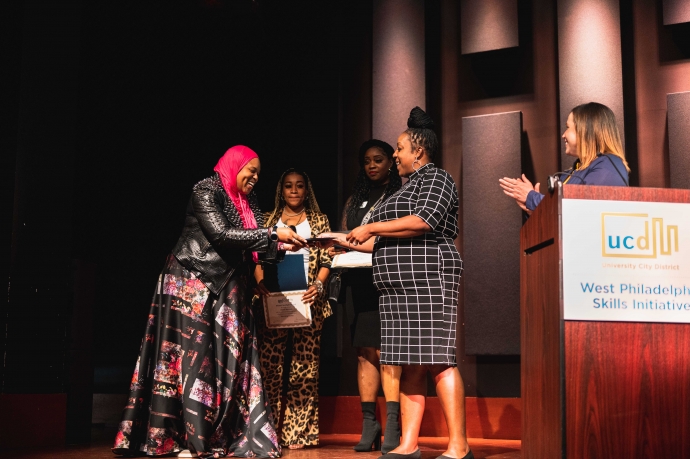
<point x="197" y="382"/>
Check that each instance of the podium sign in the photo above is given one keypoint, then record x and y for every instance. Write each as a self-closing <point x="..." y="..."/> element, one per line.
<point x="604" y="324"/>
<point x="626" y="261"/>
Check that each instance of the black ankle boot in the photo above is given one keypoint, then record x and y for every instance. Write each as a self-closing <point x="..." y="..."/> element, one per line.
<point x="371" y="429"/>
<point x="391" y="438"/>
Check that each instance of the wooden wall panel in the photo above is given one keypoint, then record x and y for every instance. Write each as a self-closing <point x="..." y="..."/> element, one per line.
<point x="662" y="67"/>
<point x="590" y="65"/>
<point x="679" y="139"/>
<point x="676" y="11"/>
<point x="462" y="98"/>
<point x="626" y="389"/>
<point x="488" y="25"/>
<point x="398" y="76"/>
<point x="541" y="319"/>
<point x="491" y="229"/>
<point x="620" y="193"/>
<point x="487" y="417"/>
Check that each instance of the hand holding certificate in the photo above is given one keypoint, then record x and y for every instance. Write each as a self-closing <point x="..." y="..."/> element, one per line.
<point x="286" y="310"/>
<point x="284" y="306"/>
<point x="320" y="241"/>
<point x="341" y="241"/>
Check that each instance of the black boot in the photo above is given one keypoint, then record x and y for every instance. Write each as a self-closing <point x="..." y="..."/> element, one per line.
<point x="371" y="429"/>
<point x="391" y="438"/>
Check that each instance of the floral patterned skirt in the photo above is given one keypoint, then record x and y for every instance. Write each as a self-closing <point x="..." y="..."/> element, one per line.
<point x="197" y="382"/>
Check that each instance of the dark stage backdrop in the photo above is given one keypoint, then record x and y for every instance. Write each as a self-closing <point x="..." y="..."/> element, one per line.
<point x="161" y="89"/>
<point x="164" y="89"/>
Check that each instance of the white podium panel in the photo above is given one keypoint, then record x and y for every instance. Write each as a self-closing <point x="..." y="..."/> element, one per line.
<point x="626" y="261"/>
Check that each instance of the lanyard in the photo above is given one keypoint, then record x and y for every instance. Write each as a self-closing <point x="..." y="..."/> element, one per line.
<point x="368" y="215"/>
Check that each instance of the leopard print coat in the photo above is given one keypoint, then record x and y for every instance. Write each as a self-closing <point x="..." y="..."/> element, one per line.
<point x="300" y="424"/>
<point x="318" y="258"/>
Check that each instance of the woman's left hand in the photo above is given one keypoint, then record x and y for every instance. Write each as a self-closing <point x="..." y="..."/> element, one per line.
<point x="310" y="295"/>
<point x="359" y="235"/>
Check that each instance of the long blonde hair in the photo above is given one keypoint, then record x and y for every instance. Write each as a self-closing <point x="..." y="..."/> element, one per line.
<point x="597" y="132"/>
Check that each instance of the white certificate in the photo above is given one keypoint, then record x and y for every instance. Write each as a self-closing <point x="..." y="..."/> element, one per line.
<point x="286" y="310"/>
<point x="352" y="259"/>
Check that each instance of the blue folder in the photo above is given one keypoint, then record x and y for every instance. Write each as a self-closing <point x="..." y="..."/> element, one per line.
<point x="286" y="276"/>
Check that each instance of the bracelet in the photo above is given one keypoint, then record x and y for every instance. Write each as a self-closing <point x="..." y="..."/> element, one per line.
<point x="319" y="286"/>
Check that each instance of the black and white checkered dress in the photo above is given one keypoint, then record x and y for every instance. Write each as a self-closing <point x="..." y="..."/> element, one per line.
<point x="418" y="277"/>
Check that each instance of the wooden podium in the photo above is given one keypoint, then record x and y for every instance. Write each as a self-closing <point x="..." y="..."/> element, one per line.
<point x="596" y="389"/>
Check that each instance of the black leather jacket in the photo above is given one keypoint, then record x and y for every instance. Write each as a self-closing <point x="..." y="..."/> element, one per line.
<point x="214" y="243"/>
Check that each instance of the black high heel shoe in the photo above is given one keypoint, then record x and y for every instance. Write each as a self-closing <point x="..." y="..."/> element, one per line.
<point x="469" y="455"/>
<point x="371" y="437"/>
<point x="416" y="454"/>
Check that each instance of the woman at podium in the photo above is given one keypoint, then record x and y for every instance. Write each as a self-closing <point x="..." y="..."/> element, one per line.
<point x="591" y="136"/>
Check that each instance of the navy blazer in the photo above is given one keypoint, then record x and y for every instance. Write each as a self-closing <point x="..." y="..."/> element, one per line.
<point x="601" y="172"/>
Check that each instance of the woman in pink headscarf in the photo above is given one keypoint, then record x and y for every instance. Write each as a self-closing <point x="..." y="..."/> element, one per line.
<point x="197" y="383"/>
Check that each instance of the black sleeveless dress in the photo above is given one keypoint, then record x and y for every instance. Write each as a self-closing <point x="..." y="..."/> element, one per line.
<point x="365" y="328"/>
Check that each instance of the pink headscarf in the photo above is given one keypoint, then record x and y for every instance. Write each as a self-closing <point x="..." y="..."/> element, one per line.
<point x="228" y="167"/>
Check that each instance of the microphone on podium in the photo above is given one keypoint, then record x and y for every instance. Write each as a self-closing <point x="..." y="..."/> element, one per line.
<point x="555" y="178"/>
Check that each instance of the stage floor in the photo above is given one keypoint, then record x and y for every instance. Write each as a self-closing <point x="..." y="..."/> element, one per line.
<point x="332" y="447"/>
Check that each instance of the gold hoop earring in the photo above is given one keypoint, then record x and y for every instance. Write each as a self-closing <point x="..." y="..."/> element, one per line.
<point x="418" y="162"/>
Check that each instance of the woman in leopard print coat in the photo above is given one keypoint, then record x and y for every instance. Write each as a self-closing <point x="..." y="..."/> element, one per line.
<point x="296" y="206"/>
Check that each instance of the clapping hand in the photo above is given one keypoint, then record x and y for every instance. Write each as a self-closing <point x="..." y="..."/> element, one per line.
<point x="518" y="189"/>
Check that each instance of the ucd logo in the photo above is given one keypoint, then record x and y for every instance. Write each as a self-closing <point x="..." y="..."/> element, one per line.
<point x="636" y="236"/>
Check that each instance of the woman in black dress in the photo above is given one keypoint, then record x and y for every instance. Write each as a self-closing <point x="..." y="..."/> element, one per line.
<point x="417" y="273"/>
<point x="197" y="382"/>
<point x="377" y="179"/>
